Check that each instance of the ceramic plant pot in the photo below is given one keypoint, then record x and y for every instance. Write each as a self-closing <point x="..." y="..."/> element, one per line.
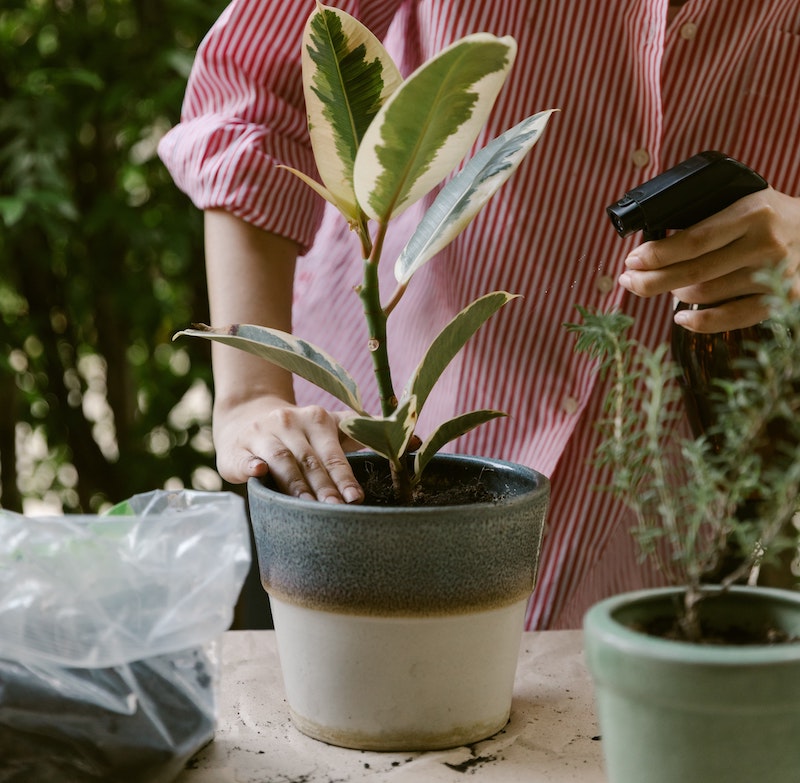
<point x="399" y="628"/>
<point x="672" y="711"/>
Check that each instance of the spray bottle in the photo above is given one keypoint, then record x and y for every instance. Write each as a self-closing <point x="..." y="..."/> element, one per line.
<point x="676" y="199"/>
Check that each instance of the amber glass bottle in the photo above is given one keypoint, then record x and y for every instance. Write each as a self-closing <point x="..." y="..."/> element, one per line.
<point x="704" y="358"/>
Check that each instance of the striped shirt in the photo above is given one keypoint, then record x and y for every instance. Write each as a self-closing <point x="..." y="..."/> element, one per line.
<point x="636" y="95"/>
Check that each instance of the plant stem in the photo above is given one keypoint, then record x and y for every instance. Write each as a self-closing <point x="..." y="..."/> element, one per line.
<point x="376" y="316"/>
<point x="396" y="297"/>
<point x="369" y="292"/>
<point x="689" y="620"/>
<point x="401" y="482"/>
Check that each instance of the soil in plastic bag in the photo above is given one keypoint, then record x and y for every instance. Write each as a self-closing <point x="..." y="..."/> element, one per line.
<point x="136" y="723"/>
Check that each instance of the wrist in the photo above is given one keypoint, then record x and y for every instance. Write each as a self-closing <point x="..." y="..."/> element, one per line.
<point x="267" y="399"/>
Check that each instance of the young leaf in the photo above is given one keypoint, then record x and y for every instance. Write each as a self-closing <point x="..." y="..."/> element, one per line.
<point x="428" y="125"/>
<point x="463" y="197"/>
<point x="347" y="77"/>
<point x="451" y="340"/>
<point x="450" y="430"/>
<point x="320" y="189"/>
<point x="386" y="436"/>
<point x="289" y="352"/>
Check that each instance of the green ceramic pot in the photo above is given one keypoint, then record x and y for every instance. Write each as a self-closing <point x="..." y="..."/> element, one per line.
<point x="673" y="712"/>
<point x="399" y="628"/>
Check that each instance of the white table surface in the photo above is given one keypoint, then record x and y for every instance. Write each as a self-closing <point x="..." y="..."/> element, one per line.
<point x="552" y="735"/>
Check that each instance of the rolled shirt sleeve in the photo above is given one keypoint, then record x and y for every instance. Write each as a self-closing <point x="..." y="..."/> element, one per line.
<point x="243" y="113"/>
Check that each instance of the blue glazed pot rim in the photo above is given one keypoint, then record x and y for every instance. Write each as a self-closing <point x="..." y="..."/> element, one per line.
<point x="533" y="481"/>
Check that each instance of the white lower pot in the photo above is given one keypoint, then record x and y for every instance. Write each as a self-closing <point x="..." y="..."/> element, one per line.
<point x="399" y="628"/>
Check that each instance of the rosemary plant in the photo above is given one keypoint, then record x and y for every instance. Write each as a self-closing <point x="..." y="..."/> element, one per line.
<point x="733" y="488"/>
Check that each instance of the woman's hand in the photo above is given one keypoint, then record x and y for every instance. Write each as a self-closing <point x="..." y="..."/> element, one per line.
<point x="302" y="448"/>
<point x="714" y="261"/>
<point x="257" y="427"/>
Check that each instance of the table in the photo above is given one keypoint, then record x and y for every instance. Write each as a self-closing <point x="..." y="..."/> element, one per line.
<point x="552" y="735"/>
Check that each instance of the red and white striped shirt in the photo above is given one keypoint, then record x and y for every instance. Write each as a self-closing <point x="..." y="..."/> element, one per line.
<point x="636" y="96"/>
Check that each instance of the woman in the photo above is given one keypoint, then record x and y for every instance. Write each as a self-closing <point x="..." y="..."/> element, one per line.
<point x="641" y="85"/>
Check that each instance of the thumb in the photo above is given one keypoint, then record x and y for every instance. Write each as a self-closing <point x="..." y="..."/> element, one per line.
<point x="238" y="469"/>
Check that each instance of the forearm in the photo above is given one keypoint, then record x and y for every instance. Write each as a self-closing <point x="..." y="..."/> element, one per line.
<point x="257" y="427"/>
<point x="250" y="274"/>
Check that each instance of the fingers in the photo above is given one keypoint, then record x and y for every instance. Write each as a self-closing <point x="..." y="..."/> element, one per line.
<point x="715" y="262"/>
<point x="306" y="458"/>
<point x="699" y="260"/>
<point x="298" y="446"/>
<point x="707" y="275"/>
<point x="739" y="283"/>
<point x="736" y="314"/>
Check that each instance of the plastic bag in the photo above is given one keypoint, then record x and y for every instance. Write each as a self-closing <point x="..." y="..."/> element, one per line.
<point x="107" y="632"/>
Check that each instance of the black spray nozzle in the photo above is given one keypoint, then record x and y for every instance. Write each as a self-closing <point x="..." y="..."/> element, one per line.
<point x="684" y="195"/>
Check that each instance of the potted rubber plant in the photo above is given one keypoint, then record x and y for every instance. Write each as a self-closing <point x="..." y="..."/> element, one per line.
<point x="700" y="681"/>
<point x="398" y="625"/>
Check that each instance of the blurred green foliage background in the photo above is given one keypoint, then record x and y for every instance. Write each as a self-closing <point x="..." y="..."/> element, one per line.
<point x="100" y="256"/>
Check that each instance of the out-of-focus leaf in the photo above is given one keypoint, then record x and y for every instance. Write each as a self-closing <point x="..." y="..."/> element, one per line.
<point x="11" y="210"/>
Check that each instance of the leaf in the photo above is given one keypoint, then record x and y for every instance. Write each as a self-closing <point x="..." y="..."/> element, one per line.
<point x="463" y="197"/>
<point x="320" y="189"/>
<point x="289" y="352"/>
<point x="428" y="125"/>
<point x="451" y="340"/>
<point x="347" y="77"/>
<point x="12" y="210"/>
<point x="121" y="509"/>
<point x="387" y="436"/>
<point x="450" y="430"/>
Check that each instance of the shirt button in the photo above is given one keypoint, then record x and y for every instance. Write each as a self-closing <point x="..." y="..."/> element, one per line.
<point x="640" y="158"/>
<point x="604" y="283"/>
<point x="570" y="405"/>
<point x="688" y="31"/>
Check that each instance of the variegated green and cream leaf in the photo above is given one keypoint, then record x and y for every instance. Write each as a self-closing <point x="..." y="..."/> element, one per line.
<point x="451" y="340"/>
<point x="289" y="352"/>
<point x="387" y="436"/>
<point x="429" y="124"/>
<point x="448" y="431"/>
<point x="463" y="196"/>
<point x="347" y="76"/>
